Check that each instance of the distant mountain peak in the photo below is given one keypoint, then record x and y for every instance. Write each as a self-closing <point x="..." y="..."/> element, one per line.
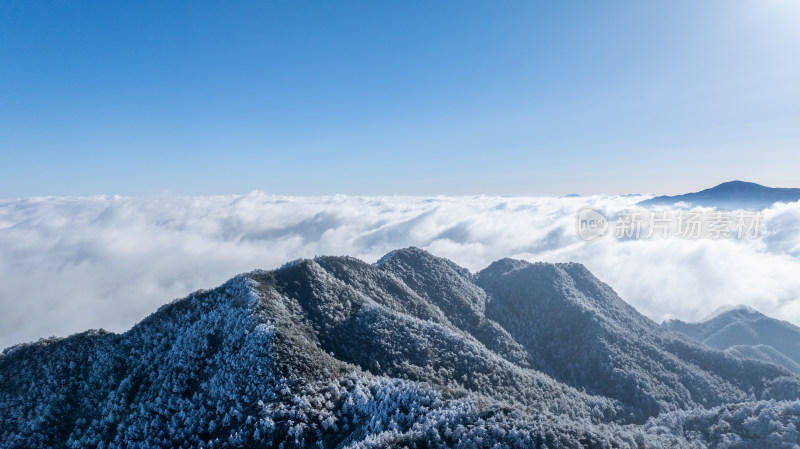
<point x="731" y="195"/>
<point x="737" y="182"/>
<point x="746" y="332"/>
<point x="739" y="187"/>
<point x="731" y="309"/>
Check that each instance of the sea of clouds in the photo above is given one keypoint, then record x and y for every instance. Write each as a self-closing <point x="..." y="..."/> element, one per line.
<point x="72" y="263"/>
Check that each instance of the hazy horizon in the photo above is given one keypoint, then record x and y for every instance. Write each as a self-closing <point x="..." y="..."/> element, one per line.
<point x="166" y="193"/>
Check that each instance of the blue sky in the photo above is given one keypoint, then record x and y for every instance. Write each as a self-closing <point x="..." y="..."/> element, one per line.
<point x="454" y="97"/>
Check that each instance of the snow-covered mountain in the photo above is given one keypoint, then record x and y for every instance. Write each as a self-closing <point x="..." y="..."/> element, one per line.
<point x="731" y="195"/>
<point x="413" y="351"/>
<point x="745" y="332"/>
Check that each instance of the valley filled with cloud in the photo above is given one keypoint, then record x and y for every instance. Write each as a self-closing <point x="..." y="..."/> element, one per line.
<point x="72" y="263"/>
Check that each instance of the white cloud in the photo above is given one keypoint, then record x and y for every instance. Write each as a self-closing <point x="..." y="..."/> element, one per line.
<point x="68" y="264"/>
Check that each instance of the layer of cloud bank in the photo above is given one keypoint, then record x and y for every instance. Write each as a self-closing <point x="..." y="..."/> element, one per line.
<point x="70" y="264"/>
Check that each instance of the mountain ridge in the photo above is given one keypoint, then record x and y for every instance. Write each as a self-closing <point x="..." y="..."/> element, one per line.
<point x="745" y="332"/>
<point x="411" y="351"/>
<point x="730" y="195"/>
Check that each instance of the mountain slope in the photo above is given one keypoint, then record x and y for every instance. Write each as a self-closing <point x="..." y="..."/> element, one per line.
<point x="731" y="195"/>
<point x="412" y="351"/>
<point x="581" y="333"/>
<point x="747" y="333"/>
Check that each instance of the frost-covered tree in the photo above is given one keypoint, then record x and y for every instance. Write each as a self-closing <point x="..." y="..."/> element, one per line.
<point x="413" y="351"/>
